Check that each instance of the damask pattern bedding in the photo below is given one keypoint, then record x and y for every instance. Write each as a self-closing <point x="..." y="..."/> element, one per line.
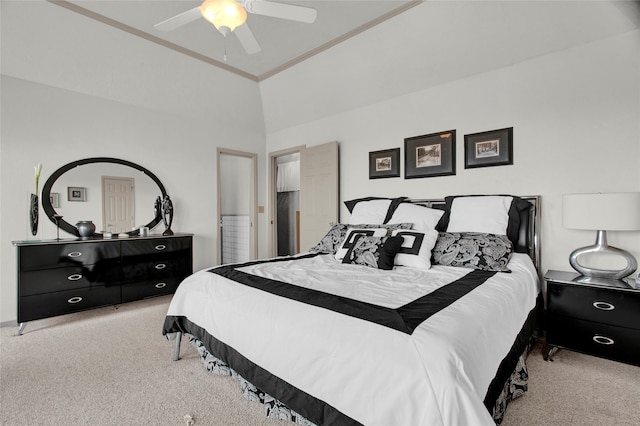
<point x="347" y="344"/>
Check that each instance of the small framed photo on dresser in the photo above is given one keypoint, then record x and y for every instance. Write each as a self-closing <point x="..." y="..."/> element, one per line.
<point x="430" y="155"/>
<point x="491" y="148"/>
<point x="384" y="164"/>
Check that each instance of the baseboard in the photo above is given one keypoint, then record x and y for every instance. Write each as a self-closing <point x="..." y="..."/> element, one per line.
<point x="8" y="324"/>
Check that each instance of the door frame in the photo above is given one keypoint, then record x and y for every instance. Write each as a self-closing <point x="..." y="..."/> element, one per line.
<point x="272" y="232"/>
<point x="253" y="201"/>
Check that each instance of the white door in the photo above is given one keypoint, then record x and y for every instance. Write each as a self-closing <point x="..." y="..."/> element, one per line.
<point x="319" y="192"/>
<point x="118" y="204"/>
<point x="237" y="206"/>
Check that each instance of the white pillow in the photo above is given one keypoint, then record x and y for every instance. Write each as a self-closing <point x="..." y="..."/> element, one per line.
<point x="373" y="211"/>
<point x="486" y="214"/>
<point x="416" y="248"/>
<point x="423" y="218"/>
<point x="350" y="236"/>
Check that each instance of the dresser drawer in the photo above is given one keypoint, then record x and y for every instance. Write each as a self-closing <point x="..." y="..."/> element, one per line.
<point x="604" y="340"/>
<point x="64" y="255"/>
<point x="595" y="304"/>
<point x="156" y="269"/>
<point x="145" y="247"/>
<point x="60" y="279"/>
<point x="149" y="288"/>
<point x="63" y="302"/>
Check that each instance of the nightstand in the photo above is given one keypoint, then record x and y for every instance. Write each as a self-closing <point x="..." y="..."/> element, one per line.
<point x="595" y="316"/>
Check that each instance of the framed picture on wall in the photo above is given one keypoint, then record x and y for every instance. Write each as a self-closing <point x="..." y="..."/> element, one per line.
<point x="76" y="193"/>
<point x="384" y="164"/>
<point x="491" y="148"/>
<point x="430" y="155"/>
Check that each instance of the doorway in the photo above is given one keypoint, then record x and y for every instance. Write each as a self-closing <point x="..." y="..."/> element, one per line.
<point x="318" y="196"/>
<point x="237" y="206"/>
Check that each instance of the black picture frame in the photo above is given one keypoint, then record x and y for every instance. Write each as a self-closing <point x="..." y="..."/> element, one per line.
<point x="384" y="163"/>
<point x="76" y="193"/>
<point x="490" y="148"/>
<point x="430" y="155"/>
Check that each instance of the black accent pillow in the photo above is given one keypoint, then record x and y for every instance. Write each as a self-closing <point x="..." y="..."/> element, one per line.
<point x="374" y="252"/>
<point x="487" y="252"/>
<point x="518" y="216"/>
<point x="332" y="240"/>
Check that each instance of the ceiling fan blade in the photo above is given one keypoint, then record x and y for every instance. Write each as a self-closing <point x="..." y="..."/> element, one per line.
<point x="247" y="39"/>
<point x="179" y="20"/>
<point x="281" y="10"/>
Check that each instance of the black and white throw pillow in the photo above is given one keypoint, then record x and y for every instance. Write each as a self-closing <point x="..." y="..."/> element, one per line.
<point x="487" y="252"/>
<point x="374" y="252"/>
<point x="352" y="234"/>
<point x="332" y="240"/>
<point x="416" y="248"/>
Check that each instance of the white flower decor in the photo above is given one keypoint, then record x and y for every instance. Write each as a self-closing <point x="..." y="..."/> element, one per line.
<point x="38" y="169"/>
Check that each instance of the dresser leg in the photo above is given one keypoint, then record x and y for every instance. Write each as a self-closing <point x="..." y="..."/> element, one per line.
<point x="548" y="351"/>
<point x="176" y="349"/>
<point x="21" y="327"/>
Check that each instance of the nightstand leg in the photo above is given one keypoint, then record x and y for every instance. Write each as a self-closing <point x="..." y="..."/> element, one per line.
<point x="21" y="327"/>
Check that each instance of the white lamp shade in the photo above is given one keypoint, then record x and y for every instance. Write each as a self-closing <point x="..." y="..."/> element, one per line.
<point x="608" y="212"/>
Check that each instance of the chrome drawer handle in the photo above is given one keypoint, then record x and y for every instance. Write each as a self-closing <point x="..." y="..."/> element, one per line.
<point x="603" y="340"/>
<point x="603" y="306"/>
<point x="74" y="277"/>
<point x="160" y="247"/>
<point x="76" y="299"/>
<point x="161" y="285"/>
<point x="160" y="266"/>
<point x="75" y="254"/>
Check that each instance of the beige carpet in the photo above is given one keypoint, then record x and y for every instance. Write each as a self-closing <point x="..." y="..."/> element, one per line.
<point x="113" y="367"/>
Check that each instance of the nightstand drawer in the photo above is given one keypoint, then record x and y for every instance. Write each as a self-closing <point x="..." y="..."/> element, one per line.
<point x="595" y="304"/>
<point x="615" y="343"/>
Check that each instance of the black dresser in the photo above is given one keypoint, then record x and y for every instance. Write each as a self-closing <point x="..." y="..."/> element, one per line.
<point x="60" y="277"/>
<point x="593" y="315"/>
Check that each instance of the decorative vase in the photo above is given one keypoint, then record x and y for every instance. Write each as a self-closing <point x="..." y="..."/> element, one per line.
<point x="167" y="214"/>
<point x="33" y="214"/>
<point x="86" y="228"/>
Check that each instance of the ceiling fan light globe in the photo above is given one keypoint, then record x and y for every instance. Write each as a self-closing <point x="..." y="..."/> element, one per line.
<point x="223" y="13"/>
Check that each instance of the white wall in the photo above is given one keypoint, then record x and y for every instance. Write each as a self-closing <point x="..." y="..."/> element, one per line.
<point x="74" y="88"/>
<point x="575" y="115"/>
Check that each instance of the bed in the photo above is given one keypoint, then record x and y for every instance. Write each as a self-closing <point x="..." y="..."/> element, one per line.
<point x="415" y="312"/>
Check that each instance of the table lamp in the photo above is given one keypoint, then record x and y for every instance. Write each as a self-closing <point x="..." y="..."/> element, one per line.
<point x="602" y="212"/>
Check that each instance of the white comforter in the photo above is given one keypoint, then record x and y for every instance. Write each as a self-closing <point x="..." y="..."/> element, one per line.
<point x="438" y="375"/>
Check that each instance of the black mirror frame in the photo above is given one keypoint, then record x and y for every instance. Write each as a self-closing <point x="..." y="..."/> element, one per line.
<point x="66" y="226"/>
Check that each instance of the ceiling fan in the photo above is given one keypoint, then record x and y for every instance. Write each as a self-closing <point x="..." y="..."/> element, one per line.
<point x="230" y="16"/>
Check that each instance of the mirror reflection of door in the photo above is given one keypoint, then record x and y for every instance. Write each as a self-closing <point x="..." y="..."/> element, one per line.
<point x="237" y="206"/>
<point x="118" y="204"/>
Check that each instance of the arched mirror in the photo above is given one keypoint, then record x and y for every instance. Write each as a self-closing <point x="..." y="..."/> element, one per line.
<point x="117" y="195"/>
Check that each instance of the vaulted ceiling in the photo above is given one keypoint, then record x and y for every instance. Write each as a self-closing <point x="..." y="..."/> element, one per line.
<point x="283" y="42"/>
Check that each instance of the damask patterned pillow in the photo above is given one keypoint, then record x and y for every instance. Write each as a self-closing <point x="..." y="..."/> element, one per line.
<point x="487" y="252"/>
<point x="332" y="240"/>
<point x="374" y="252"/>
